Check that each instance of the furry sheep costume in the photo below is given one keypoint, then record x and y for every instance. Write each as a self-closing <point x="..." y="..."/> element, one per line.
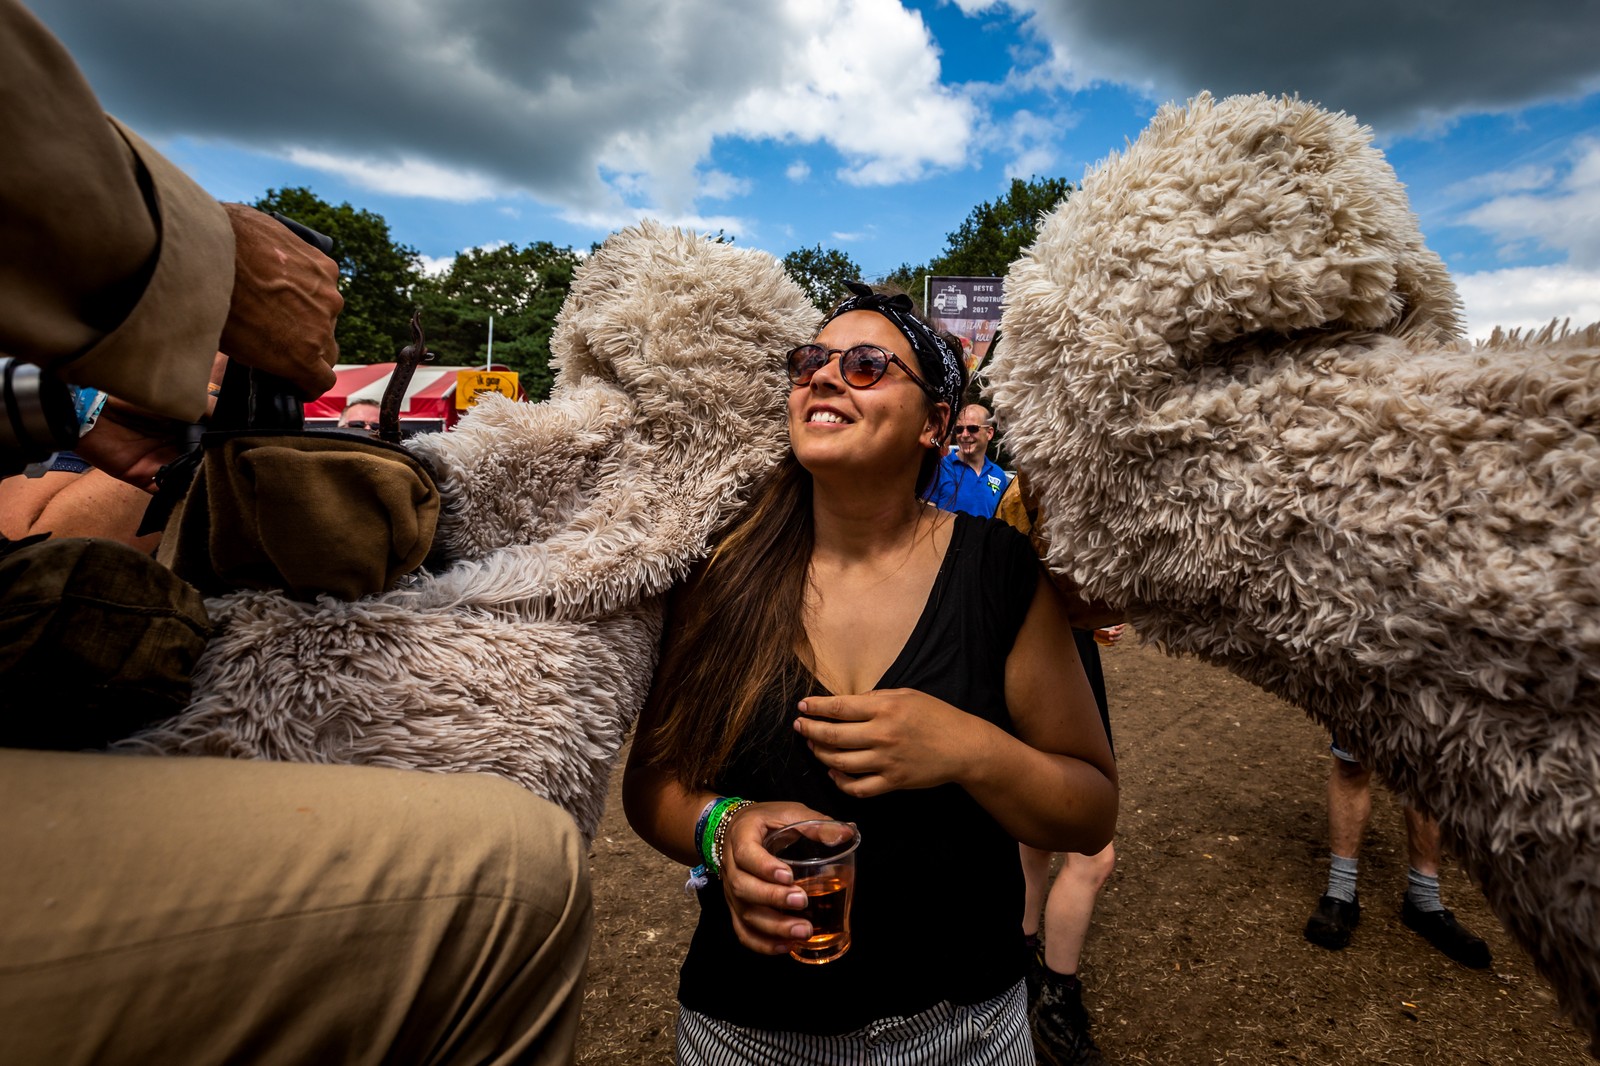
<point x="1232" y="372"/>
<point x="564" y="522"/>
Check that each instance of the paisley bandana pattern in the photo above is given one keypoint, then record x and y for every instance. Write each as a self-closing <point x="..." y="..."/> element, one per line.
<point x="941" y="361"/>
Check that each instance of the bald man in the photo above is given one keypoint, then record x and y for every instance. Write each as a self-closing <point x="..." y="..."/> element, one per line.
<point x="967" y="480"/>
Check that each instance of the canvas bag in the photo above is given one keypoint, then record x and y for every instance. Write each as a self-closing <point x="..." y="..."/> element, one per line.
<point x="307" y="512"/>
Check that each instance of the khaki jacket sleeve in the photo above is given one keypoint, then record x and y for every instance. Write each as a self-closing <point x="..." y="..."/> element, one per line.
<point x="116" y="269"/>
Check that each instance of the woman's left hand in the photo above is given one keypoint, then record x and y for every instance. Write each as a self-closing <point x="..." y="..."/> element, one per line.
<point x="888" y="739"/>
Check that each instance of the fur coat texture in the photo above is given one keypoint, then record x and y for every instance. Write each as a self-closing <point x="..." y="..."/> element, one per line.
<point x="530" y="653"/>
<point x="1232" y="372"/>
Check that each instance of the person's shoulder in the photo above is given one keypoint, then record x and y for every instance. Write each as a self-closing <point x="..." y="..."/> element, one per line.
<point x="1003" y="567"/>
<point x="994" y="536"/>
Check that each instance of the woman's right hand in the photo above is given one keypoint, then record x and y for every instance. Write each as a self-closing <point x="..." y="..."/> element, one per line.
<point x="759" y="887"/>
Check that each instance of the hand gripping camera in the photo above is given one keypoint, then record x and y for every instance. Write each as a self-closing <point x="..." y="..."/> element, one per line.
<point x="41" y="415"/>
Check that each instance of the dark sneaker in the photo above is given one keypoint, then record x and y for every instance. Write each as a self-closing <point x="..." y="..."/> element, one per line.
<point x="1441" y="929"/>
<point x="1061" y="1025"/>
<point x="1332" y="922"/>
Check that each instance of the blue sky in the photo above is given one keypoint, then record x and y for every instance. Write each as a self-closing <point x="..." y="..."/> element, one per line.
<point x="872" y="126"/>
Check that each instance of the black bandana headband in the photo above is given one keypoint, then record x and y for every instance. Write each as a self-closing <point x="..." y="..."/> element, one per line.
<point x="941" y="361"/>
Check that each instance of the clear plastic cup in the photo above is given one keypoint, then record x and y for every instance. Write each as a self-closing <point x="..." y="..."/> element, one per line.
<point x="822" y="856"/>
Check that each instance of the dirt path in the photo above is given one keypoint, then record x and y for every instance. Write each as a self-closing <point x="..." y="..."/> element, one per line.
<point x="1196" y="956"/>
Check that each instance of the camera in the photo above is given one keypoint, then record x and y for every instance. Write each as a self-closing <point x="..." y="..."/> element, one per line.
<point x="40" y="415"/>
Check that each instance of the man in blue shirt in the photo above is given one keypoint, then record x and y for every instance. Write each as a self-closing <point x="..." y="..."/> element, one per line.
<point x="967" y="480"/>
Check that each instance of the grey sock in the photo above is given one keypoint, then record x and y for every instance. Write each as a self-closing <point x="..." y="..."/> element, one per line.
<point x="1422" y="891"/>
<point x="1342" y="878"/>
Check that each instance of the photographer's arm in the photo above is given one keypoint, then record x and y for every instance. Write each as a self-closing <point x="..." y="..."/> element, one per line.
<point x="117" y="270"/>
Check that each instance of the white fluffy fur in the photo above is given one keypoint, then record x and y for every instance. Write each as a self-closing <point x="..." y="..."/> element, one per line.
<point x="530" y="654"/>
<point x="1231" y="372"/>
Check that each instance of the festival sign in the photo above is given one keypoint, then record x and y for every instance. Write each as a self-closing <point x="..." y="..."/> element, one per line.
<point x="969" y="308"/>
<point x="470" y="384"/>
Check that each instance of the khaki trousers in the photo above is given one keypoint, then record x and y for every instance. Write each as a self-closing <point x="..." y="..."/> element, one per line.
<point x="175" y="910"/>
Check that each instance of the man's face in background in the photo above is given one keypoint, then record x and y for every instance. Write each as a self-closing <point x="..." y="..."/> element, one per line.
<point x="971" y="445"/>
<point x="361" y="417"/>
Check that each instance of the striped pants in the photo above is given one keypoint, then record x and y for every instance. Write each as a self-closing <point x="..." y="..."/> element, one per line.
<point x="991" y="1033"/>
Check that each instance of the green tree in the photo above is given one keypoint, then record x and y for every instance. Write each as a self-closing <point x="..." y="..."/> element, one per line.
<point x="822" y="272"/>
<point x="522" y="288"/>
<point x="376" y="275"/>
<point x="907" y="279"/>
<point x="994" y="234"/>
<point x="991" y="237"/>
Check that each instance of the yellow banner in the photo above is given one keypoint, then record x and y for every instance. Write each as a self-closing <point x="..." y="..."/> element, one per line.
<point x="470" y="384"/>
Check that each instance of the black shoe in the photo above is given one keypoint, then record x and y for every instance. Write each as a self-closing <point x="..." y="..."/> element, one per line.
<point x="1061" y="1025"/>
<point x="1033" y="976"/>
<point x="1332" y="923"/>
<point x="1441" y="929"/>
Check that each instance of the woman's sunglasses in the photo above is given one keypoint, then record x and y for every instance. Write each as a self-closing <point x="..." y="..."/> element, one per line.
<point x="861" y="367"/>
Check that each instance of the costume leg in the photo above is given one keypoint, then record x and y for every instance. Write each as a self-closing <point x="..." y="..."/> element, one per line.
<point x="1422" y="911"/>
<point x="1349" y="806"/>
<point x="183" y="910"/>
<point x="1422" y="842"/>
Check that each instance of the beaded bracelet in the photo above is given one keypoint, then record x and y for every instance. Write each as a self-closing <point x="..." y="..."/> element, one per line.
<point x="705" y="837"/>
<point x="721" y="833"/>
<point x="709" y="832"/>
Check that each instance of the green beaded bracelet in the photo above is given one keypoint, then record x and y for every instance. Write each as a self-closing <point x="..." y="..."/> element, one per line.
<point x="719" y="834"/>
<point x="706" y="830"/>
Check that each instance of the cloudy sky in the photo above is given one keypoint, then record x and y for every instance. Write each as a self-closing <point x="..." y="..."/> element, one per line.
<point x="872" y="126"/>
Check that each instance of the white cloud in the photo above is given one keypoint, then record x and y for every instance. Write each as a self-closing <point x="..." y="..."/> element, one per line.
<point x="1529" y="297"/>
<point x="438" y="264"/>
<point x="1500" y="182"/>
<point x="1402" y="67"/>
<point x="798" y="171"/>
<point x="845" y="238"/>
<point x="402" y="177"/>
<point x="434" y="265"/>
<point x="719" y="185"/>
<point x="1560" y="214"/>
<point x="607" y="107"/>
<point x="863" y="75"/>
<point x="1029" y="142"/>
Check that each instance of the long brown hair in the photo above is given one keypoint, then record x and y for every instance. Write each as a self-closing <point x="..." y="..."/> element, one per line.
<point x="738" y="626"/>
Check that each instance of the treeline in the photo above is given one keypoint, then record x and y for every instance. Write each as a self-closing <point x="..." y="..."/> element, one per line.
<point x="523" y="286"/>
<point x="985" y="245"/>
<point x="383" y="282"/>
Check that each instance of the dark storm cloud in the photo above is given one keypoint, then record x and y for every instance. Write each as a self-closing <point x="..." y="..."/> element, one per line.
<point x="535" y="95"/>
<point x="1400" y="65"/>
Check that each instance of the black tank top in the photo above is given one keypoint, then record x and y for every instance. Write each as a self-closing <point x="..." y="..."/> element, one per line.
<point x="937" y="913"/>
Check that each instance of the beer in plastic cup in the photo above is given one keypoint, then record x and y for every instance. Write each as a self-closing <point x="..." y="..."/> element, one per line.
<point x="822" y="856"/>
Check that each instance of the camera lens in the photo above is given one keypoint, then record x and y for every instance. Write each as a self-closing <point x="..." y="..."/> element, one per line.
<point x="39" y="415"/>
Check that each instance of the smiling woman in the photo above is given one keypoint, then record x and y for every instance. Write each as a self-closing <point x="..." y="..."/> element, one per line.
<point x="849" y="652"/>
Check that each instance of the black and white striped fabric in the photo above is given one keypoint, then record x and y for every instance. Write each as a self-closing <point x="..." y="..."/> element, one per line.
<point x="991" y="1033"/>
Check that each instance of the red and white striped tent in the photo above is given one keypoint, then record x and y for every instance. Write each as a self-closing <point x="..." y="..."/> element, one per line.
<point x="430" y="400"/>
